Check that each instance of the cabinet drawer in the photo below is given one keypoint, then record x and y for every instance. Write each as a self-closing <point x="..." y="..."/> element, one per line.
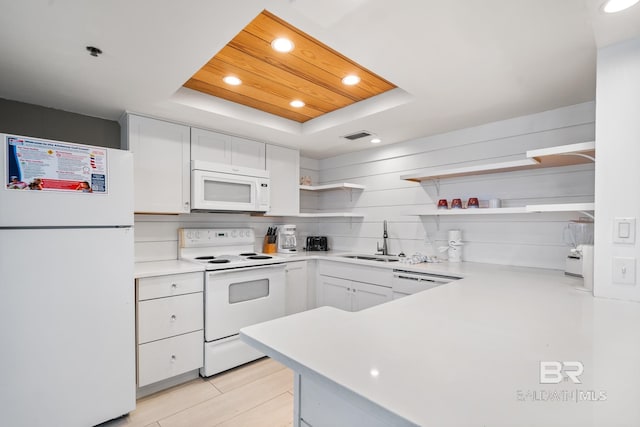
<point x="164" y="359"/>
<point x="166" y="317"/>
<point x="169" y="285"/>
<point x="357" y="273"/>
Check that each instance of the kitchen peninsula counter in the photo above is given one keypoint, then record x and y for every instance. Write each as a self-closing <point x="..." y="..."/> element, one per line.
<point x="467" y="353"/>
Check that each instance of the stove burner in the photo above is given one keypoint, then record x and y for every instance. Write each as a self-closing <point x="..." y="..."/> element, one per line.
<point x="259" y="257"/>
<point x="218" y="261"/>
<point x="205" y="257"/>
<point x="248" y="254"/>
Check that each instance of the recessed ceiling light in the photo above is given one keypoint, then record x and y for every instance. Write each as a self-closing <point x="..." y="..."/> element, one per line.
<point x="376" y="141"/>
<point x="282" y="45"/>
<point x="351" y="80"/>
<point x="232" y="80"/>
<point x="613" y="6"/>
<point x="296" y="103"/>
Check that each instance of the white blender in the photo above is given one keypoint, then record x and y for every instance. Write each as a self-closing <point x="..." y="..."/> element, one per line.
<point x="287" y="241"/>
<point x="579" y="236"/>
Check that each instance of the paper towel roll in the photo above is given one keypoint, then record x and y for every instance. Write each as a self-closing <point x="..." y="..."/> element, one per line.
<point x="455" y="237"/>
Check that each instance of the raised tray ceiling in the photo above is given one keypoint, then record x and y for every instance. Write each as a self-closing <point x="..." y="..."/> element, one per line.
<point x="312" y="73"/>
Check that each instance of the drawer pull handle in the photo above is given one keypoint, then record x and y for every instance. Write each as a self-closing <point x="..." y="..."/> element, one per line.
<point x="174" y="286"/>
<point x="173" y="318"/>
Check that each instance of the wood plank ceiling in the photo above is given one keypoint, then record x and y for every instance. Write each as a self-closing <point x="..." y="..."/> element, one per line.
<point x="312" y="73"/>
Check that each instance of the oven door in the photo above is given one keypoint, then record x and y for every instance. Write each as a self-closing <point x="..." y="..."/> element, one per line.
<point x="215" y="191"/>
<point x="241" y="297"/>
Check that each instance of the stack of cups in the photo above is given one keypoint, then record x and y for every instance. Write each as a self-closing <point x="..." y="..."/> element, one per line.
<point x="455" y="246"/>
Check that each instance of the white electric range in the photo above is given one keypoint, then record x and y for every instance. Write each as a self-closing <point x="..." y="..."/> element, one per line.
<point x="242" y="288"/>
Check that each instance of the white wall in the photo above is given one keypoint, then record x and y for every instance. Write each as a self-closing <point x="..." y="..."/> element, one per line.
<point x="618" y="160"/>
<point x="156" y="236"/>
<point x="526" y="239"/>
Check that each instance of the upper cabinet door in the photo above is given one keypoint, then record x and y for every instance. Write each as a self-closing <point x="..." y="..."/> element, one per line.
<point x="247" y="153"/>
<point x="210" y="146"/>
<point x="283" y="165"/>
<point x="217" y="147"/>
<point x="161" y="165"/>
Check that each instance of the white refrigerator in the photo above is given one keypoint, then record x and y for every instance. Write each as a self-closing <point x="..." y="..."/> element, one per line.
<point x="66" y="283"/>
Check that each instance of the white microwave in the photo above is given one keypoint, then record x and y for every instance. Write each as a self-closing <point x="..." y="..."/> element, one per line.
<point x="218" y="187"/>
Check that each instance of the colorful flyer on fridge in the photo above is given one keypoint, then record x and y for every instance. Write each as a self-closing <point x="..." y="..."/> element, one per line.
<point x="35" y="164"/>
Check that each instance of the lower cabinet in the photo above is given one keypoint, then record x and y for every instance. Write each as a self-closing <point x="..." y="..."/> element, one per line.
<point x="166" y="358"/>
<point x="352" y="287"/>
<point x="296" y="287"/>
<point x="350" y="295"/>
<point x="170" y="326"/>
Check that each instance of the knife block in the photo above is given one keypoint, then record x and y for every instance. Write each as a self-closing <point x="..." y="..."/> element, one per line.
<point x="268" y="248"/>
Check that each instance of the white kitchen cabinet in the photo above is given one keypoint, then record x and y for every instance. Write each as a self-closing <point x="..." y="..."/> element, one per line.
<point x="170" y="326"/>
<point x="248" y="153"/>
<point x="335" y="292"/>
<point x="210" y="146"/>
<point x="350" y="295"/>
<point x="162" y="359"/>
<point x="167" y="317"/>
<point x="357" y="272"/>
<point x="283" y="165"/>
<point x="365" y="295"/>
<point x="161" y="166"/>
<point x="216" y="147"/>
<point x="336" y="286"/>
<point x="296" y="287"/>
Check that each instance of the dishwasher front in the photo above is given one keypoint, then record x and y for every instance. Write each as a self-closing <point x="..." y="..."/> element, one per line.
<point x="411" y="282"/>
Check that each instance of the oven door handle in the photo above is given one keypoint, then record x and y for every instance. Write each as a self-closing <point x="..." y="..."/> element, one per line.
<point x="244" y="269"/>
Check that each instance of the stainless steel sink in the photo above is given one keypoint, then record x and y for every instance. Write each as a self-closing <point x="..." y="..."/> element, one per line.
<point x="371" y="258"/>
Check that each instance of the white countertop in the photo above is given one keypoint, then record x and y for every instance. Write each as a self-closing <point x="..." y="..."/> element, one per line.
<point x="162" y="268"/>
<point x="468" y="353"/>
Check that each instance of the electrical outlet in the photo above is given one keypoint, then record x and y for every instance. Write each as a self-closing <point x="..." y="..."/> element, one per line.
<point x="624" y="270"/>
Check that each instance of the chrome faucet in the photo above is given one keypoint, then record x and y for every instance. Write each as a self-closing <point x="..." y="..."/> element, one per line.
<point x="384" y="250"/>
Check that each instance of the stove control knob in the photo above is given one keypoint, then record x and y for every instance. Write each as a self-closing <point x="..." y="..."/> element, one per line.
<point x="189" y="235"/>
<point x="197" y="234"/>
<point x="234" y="233"/>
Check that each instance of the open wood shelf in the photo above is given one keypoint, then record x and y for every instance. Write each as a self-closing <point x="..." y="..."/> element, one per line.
<point x="327" y="187"/>
<point x="329" y="215"/>
<point x="564" y="155"/>
<point x="559" y="207"/>
<point x="562" y="207"/>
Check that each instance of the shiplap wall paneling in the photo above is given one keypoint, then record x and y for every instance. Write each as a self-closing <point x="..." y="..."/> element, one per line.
<point x="568" y="117"/>
<point x="309" y="200"/>
<point x="156" y="236"/>
<point x="534" y="240"/>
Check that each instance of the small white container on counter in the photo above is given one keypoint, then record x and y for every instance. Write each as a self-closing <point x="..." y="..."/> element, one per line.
<point x="495" y="203"/>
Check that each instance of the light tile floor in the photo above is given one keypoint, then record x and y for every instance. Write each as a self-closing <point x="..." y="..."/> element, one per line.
<point x="259" y="394"/>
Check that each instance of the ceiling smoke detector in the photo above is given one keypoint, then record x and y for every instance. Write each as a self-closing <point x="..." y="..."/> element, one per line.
<point x="357" y="135"/>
